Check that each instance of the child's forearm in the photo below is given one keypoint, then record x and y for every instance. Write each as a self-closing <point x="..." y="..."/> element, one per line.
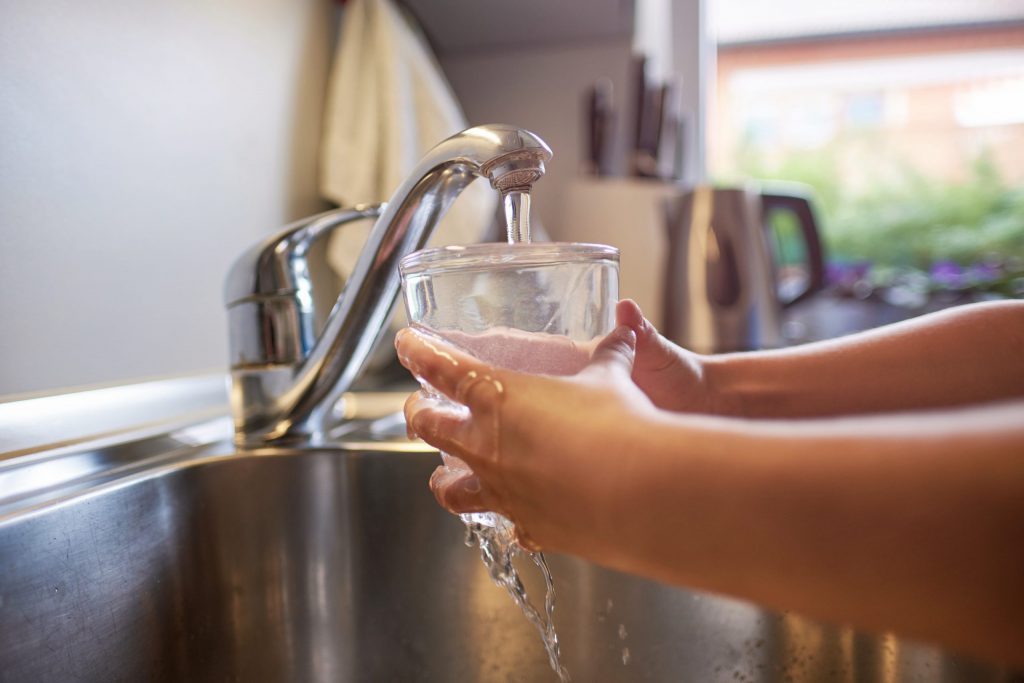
<point x="965" y="355"/>
<point x="910" y="523"/>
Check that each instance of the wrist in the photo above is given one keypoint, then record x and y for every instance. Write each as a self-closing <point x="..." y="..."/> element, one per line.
<point x="752" y="384"/>
<point x="723" y="387"/>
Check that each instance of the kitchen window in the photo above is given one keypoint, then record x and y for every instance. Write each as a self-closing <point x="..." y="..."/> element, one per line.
<point x="907" y="121"/>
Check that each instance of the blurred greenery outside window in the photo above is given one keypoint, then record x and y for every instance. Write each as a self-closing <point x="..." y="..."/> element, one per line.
<point x="916" y="162"/>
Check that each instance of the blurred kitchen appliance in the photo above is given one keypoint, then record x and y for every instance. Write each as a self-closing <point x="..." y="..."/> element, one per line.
<point x="629" y="214"/>
<point x="722" y="291"/>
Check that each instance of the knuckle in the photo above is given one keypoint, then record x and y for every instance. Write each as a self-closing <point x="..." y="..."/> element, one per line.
<point x="478" y="389"/>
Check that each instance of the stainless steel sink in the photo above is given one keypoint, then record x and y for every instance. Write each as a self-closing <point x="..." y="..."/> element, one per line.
<point x="174" y="558"/>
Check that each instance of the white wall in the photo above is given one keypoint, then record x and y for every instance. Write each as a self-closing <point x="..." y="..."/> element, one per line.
<point x="543" y="89"/>
<point x="542" y="86"/>
<point x="143" y="144"/>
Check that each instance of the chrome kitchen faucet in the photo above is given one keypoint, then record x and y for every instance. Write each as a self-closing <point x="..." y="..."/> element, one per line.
<point x="291" y="359"/>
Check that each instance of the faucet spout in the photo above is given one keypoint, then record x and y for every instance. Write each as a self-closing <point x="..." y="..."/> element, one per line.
<point x="297" y="402"/>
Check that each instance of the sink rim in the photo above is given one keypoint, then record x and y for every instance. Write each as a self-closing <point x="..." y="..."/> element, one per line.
<point x="59" y="448"/>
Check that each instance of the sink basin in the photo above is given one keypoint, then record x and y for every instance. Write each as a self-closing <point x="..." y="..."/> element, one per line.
<point x="193" y="562"/>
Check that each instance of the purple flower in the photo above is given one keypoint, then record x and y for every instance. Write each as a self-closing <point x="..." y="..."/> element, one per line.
<point x="846" y="273"/>
<point x="984" y="272"/>
<point x="948" y="274"/>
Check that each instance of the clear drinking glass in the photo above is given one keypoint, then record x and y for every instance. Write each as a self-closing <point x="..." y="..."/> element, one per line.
<point x="535" y="308"/>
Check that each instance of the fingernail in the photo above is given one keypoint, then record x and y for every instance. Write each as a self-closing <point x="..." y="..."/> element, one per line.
<point x="411" y="365"/>
<point x="410" y="424"/>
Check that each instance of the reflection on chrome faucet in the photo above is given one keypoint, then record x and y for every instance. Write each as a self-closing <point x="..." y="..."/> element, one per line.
<point x="291" y="360"/>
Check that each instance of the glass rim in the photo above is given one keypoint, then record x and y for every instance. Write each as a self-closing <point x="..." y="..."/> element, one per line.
<point x="499" y="254"/>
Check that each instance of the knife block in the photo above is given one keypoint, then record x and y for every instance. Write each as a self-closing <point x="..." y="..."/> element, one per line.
<point x="630" y="214"/>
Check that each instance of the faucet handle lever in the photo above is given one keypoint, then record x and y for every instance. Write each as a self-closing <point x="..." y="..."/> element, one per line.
<point x="275" y="310"/>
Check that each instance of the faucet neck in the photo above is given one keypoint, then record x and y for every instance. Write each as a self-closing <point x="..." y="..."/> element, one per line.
<point x="300" y="400"/>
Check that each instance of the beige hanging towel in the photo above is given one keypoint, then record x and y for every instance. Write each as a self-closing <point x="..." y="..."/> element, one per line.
<point x="387" y="104"/>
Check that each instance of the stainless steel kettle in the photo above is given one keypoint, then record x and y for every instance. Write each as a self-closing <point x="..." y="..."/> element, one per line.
<point x="722" y="291"/>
